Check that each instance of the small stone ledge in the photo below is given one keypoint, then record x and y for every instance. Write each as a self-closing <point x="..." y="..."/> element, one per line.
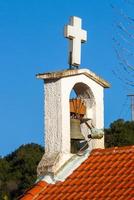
<point x="46" y="164"/>
<point x="73" y="72"/>
<point x="51" y="163"/>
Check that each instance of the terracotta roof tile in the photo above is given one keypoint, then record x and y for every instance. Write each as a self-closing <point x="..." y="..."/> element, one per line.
<point x="27" y="197"/>
<point x="106" y="174"/>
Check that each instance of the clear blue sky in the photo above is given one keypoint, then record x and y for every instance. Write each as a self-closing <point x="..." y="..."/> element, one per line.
<point x="31" y="42"/>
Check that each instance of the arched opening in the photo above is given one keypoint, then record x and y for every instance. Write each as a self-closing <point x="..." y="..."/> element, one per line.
<point x="82" y="114"/>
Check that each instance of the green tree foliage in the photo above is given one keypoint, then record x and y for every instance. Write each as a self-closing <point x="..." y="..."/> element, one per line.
<point x="120" y="133"/>
<point x="18" y="170"/>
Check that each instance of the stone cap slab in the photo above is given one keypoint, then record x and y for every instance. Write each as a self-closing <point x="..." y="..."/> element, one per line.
<point x="73" y="72"/>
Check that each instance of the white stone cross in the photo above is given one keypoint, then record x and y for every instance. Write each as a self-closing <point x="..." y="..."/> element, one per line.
<point x="76" y="36"/>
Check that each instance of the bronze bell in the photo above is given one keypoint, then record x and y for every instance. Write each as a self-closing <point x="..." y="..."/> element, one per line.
<point x="75" y="129"/>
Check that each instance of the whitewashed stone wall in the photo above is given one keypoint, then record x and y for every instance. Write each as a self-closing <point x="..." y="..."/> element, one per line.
<point x="57" y="118"/>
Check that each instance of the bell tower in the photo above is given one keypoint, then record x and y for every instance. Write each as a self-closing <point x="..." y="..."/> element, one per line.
<point x="58" y="110"/>
<point x="73" y="127"/>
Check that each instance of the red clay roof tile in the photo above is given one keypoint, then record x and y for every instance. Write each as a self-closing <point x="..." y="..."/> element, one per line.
<point x="106" y="174"/>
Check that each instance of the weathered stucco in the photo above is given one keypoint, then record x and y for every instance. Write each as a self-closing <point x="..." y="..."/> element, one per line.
<point x="57" y="114"/>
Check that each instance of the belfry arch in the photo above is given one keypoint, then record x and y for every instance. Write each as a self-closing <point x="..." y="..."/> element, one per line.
<point x="82" y="107"/>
